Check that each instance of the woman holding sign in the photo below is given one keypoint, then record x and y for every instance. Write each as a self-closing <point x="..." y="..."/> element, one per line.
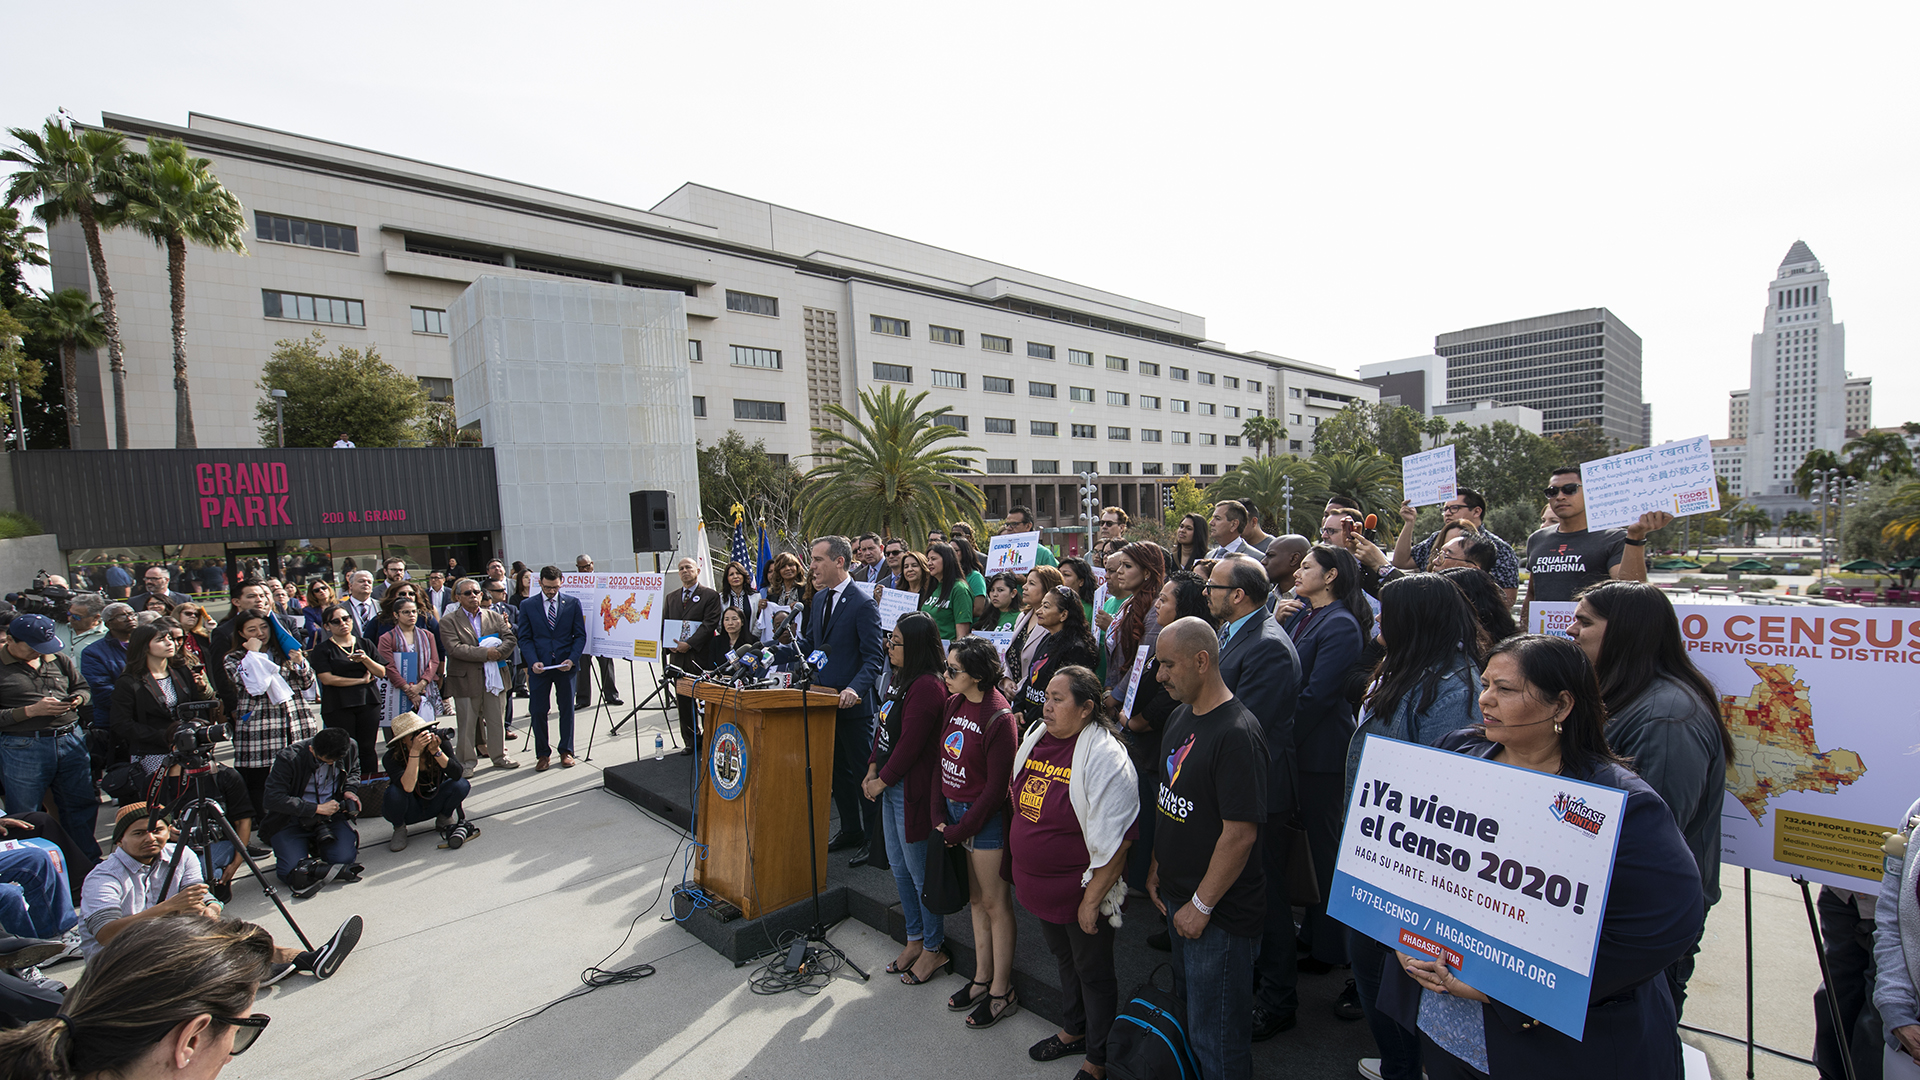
<point x="410" y="654"/>
<point x="1541" y="710"/>
<point x="1069" y="641"/>
<point x="1136" y="573"/>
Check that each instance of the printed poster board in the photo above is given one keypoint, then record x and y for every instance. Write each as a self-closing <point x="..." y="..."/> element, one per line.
<point x="1428" y="477"/>
<point x="1675" y="478"/>
<point x="623" y="612"/>
<point x="1012" y="551"/>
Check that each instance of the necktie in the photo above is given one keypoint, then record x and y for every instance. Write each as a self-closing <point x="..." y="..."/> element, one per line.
<point x="553" y="615"/>
<point x="686" y="596"/>
<point x="826" y="616"/>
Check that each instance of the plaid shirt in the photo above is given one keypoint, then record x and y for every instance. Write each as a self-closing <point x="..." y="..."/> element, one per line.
<point x="263" y="729"/>
<point x="1506" y="569"/>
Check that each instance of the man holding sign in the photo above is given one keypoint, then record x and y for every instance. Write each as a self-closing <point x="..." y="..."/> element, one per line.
<point x="1468" y="508"/>
<point x="1563" y="560"/>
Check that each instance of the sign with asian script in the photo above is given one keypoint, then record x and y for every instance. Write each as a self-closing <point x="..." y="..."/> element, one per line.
<point x="1673" y="478"/>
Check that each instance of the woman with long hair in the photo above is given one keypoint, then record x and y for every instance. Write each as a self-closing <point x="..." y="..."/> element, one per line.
<point x="1329" y="632"/>
<point x="262" y="727"/>
<point x="1135" y="574"/>
<point x="153" y="685"/>
<point x="972" y="810"/>
<point x="945" y="595"/>
<point x="1426" y="686"/>
<point x="319" y="595"/>
<point x="1003" y="601"/>
<point x="1664" y="717"/>
<point x="1069" y="641"/>
<point x="198" y="644"/>
<point x="410" y="655"/>
<point x="1493" y="618"/>
<point x="736" y="590"/>
<point x="1078" y="803"/>
<point x="736" y="629"/>
<point x="1541" y="710"/>
<point x="1076" y="573"/>
<point x="166" y="997"/>
<point x="1190" y="541"/>
<point x="347" y="669"/>
<point x="1027" y="634"/>
<point x="404" y="591"/>
<point x="972" y="564"/>
<point x="901" y="777"/>
<point x="787" y="584"/>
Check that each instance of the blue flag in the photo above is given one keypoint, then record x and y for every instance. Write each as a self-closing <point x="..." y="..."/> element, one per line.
<point x="766" y="556"/>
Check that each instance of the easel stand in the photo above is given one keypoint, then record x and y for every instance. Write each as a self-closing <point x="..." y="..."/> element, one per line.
<point x="1746" y="897"/>
<point x="600" y="710"/>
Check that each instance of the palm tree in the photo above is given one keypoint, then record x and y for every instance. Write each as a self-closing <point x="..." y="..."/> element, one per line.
<point x="1905" y="501"/>
<point x="1435" y="427"/>
<point x="1882" y="452"/>
<point x="72" y="174"/>
<point x="1751" y="518"/>
<point x="1371" y="479"/>
<point x="73" y="321"/>
<point x="18" y="249"/>
<point x="1261" y="482"/>
<point x="173" y="198"/>
<point x="1263" y="432"/>
<point x="893" y="472"/>
<point x="1796" y="522"/>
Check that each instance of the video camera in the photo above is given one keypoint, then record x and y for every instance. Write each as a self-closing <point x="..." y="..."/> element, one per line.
<point x="194" y="733"/>
<point x="42" y="599"/>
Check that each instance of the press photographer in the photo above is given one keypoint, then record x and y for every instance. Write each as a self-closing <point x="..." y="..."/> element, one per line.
<point x="48" y="596"/>
<point x="426" y="782"/>
<point x="308" y="811"/>
<point x="149" y="696"/>
<point x="188" y="774"/>
<point x="41" y="698"/>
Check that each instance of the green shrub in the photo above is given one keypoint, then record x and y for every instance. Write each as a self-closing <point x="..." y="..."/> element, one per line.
<point x="14" y="525"/>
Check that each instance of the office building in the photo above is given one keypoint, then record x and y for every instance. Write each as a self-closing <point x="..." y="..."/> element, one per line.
<point x="1737" y="415"/>
<point x="787" y="313"/>
<point x="1487" y="413"/>
<point x="1646" y="423"/>
<point x="1730" y="464"/>
<point x="1418" y="382"/>
<point x="1576" y="367"/>
<point x="1859" y="412"/>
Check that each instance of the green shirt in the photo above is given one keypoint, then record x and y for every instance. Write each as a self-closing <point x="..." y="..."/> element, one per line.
<point x="1007" y="620"/>
<point x="1043" y="556"/>
<point x="956" y="607"/>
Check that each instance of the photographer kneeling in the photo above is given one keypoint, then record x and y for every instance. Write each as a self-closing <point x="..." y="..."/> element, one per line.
<point x="425" y="783"/>
<point x="308" y="811"/>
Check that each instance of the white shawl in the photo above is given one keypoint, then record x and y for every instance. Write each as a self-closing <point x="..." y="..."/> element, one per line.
<point x="262" y="678"/>
<point x="1105" y="793"/>
<point x="491" y="670"/>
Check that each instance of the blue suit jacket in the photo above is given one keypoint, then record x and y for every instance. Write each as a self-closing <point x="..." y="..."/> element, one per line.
<point x="543" y="644"/>
<point x="852" y="644"/>
<point x="1259" y="665"/>
<point x="1323" y="721"/>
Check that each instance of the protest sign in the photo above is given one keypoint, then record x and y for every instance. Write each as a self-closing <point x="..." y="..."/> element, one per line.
<point x="1000" y="638"/>
<point x="1428" y="477"/>
<point x="1551" y="617"/>
<point x="1012" y="551"/>
<point x="1133" y="679"/>
<point x="1674" y="478"/>
<point x="894" y="603"/>
<point x="1821" y="708"/>
<point x="623" y="612"/>
<point x="1501" y="871"/>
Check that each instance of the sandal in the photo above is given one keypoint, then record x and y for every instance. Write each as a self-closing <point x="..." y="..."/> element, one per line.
<point x="894" y="968"/>
<point x="962" y="999"/>
<point x="983" y="1015"/>
<point x="909" y="978"/>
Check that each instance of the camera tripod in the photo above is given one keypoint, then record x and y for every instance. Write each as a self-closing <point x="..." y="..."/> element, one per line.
<point x="200" y="814"/>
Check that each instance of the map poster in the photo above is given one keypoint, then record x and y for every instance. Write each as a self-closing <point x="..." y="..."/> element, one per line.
<point x="1551" y="617"/>
<point x="1824" y="718"/>
<point x="1501" y="871"/>
<point x="623" y="612"/>
<point x="1428" y="477"/>
<point x="1012" y="551"/>
<point x="1675" y="478"/>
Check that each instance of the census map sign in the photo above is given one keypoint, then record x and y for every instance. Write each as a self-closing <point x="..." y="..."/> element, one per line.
<point x="623" y="612"/>
<point x="1673" y="478"/>
<point x="1500" y="871"/>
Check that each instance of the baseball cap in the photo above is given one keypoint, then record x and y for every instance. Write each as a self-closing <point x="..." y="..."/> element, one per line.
<point x="34" y="630"/>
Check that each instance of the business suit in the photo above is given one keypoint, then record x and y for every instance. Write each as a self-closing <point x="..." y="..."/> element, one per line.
<point x="466" y="683"/>
<point x="1328" y="645"/>
<point x="851" y="637"/>
<point x="695" y="603"/>
<point x="551" y="637"/>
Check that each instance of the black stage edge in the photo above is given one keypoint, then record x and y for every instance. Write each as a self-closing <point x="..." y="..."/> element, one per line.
<point x="1321" y="1045"/>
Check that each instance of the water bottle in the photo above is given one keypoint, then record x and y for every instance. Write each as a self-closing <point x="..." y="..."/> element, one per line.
<point x="659" y="746"/>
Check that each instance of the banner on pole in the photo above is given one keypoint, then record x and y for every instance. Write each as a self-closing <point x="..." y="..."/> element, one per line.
<point x="623" y="612"/>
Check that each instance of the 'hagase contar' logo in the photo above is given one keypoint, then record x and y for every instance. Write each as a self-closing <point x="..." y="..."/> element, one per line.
<point x="242" y="494"/>
<point x="1577" y="813"/>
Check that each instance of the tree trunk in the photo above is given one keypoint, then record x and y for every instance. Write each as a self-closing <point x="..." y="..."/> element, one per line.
<point x="109" y="314"/>
<point x="183" y="434"/>
<point x="70" y="390"/>
<point x="19" y="420"/>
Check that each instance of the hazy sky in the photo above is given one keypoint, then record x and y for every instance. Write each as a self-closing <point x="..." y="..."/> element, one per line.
<point x="1332" y="183"/>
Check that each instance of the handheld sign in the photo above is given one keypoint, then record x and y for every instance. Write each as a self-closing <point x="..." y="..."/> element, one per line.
<point x="1551" y="617"/>
<point x="1428" y="477"/>
<point x="894" y="603"/>
<point x="1674" y="478"/>
<point x="1133" y="680"/>
<point x="1012" y="551"/>
<point x="1000" y="638"/>
<point x="623" y="612"/>
<point x="1501" y="871"/>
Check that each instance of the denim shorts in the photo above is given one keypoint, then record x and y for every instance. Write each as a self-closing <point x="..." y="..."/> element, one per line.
<point x="991" y="837"/>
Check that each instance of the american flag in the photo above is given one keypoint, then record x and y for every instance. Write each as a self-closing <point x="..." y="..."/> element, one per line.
<point x="739" y="552"/>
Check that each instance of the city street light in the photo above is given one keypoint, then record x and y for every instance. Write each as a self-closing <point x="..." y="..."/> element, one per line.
<point x="279" y="417"/>
<point x="1090" y="502"/>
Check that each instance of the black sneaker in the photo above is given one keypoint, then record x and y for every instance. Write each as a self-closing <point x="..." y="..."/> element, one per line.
<point x="1347" y="1005"/>
<point x="1160" y="941"/>
<point x="325" y="960"/>
<point x="259" y="850"/>
<point x="1268" y="1024"/>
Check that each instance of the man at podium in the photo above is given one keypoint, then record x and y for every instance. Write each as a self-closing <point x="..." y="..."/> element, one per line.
<point x="844" y="624"/>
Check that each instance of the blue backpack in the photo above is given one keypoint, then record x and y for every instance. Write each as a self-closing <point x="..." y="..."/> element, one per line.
<point x="1149" y="1036"/>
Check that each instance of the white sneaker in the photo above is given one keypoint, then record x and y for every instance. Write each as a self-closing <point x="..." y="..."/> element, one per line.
<point x="1370" y="1068"/>
<point x="32" y="975"/>
<point x="71" y="939"/>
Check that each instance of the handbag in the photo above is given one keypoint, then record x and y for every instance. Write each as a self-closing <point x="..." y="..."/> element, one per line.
<point x="945" y="891"/>
<point x="1148" y="1040"/>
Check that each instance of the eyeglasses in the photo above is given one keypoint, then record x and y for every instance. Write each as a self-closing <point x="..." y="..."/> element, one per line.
<point x="1210" y="586"/>
<point x="246" y="1029"/>
<point x="1454" y="508"/>
<point x="894" y="642"/>
<point x="954" y="672"/>
<point x="338" y="620"/>
<point x="1563" y="489"/>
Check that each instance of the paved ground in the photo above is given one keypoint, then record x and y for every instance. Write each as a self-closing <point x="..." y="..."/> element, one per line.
<point x="460" y="943"/>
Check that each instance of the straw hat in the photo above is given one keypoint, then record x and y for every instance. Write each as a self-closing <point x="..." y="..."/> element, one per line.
<point x="406" y="725"/>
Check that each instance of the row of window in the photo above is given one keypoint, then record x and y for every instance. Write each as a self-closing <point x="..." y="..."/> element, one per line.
<point x="1051" y="467"/>
<point x="946" y="335"/>
<point x="996" y="384"/>
<point x="291" y="230"/>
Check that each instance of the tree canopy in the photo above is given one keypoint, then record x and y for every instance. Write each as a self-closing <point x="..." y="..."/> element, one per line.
<point x="896" y="470"/>
<point x="347" y="390"/>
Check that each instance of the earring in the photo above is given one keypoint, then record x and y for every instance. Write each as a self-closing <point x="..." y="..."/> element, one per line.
<point x="1556" y="725"/>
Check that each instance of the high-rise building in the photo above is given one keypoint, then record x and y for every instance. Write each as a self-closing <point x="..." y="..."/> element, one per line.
<point x="1799" y="398"/>
<point x="1646" y="423"/>
<point x="1730" y="463"/>
<point x="1576" y="367"/>
<point x="1737" y="415"/>
<point x="1418" y="382"/>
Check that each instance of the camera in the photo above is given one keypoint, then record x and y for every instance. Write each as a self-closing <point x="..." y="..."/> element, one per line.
<point x="42" y="599"/>
<point x="459" y="833"/>
<point x="194" y="733"/>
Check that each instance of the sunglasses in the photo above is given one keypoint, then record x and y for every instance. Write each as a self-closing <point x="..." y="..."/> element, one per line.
<point x="339" y="620"/>
<point x="954" y="672"/>
<point x="1563" y="489"/>
<point x="246" y="1029"/>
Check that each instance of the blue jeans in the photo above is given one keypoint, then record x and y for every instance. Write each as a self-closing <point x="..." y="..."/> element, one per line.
<point x="31" y="766"/>
<point x="295" y="842"/>
<point x="34" y="899"/>
<point x="991" y="837"/>
<point x="403" y="808"/>
<point x="1399" y="1048"/>
<point x="1215" y="976"/>
<point x="220" y="854"/>
<point x="540" y="691"/>
<point x="909" y="862"/>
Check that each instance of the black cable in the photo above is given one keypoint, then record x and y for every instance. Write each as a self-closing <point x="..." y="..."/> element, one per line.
<point x="812" y="976"/>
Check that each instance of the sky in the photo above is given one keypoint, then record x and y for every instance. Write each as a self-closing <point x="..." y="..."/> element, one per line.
<point x="1334" y="183"/>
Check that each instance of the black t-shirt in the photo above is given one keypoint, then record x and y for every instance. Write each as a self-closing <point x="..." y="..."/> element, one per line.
<point x="227" y="786"/>
<point x="1563" y="563"/>
<point x="331" y="659"/>
<point x="1213" y="769"/>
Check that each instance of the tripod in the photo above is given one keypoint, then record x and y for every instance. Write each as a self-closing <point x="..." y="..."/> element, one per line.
<point x="662" y="689"/>
<point x="200" y="814"/>
<point x="817" y="933"/>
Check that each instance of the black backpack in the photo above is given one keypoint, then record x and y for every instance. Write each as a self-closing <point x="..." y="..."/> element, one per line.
<point x="1149" y="1036"/>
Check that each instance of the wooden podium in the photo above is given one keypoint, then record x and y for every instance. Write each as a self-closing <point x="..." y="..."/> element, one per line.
<point x="751" y="811"/>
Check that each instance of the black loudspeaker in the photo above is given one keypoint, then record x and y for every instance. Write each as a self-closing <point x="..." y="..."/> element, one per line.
<point x="653" y="521"/>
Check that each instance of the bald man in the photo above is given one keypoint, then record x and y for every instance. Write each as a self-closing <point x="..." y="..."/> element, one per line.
<point x="1212" y="799"/>
<point x="1283" y="558"/>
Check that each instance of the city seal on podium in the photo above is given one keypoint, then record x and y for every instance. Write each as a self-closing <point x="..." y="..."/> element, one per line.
<point x="727" y="762"/>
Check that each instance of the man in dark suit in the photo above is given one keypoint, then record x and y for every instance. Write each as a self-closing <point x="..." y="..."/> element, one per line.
<point x="698" y="605"/>
<point x="843" y="623"/>
<point x="553" y="633"/>
<point x="1260" y="667"/>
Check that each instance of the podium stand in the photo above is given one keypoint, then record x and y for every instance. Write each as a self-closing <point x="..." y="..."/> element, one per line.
<point x="751" y="812"/>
